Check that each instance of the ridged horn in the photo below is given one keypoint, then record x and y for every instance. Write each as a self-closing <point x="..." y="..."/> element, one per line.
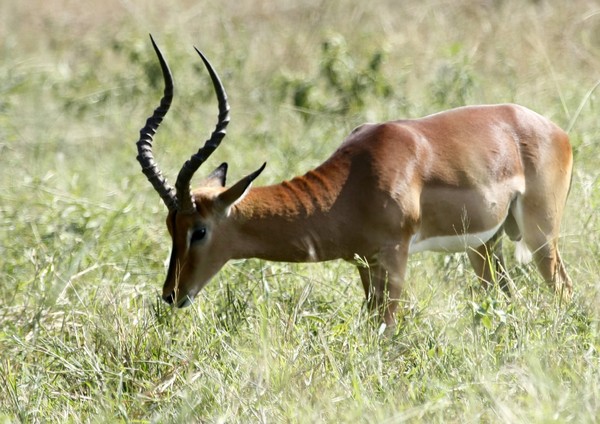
<point x="184" y="193"/>
<point x="144" y="144"/>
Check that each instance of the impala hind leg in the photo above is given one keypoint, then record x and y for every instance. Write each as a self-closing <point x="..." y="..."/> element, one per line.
<point x="549" y="263"/>
<point x="488" y="262"/>
<point x="382" y="279"/>
<point x="540" y="228"/>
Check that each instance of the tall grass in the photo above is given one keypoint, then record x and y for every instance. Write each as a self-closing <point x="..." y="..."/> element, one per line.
<point x="84" y="336"/>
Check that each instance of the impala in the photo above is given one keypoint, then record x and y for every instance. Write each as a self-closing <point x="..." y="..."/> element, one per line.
<point x="452" y="181"/>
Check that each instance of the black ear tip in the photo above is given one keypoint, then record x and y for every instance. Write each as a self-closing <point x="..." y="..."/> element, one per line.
<point x="259" y="170"/>
<point x="222" y="172"/>
<point x="251" y="177"/>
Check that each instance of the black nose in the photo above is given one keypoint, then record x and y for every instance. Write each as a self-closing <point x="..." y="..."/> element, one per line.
<point x="169" y="298"/>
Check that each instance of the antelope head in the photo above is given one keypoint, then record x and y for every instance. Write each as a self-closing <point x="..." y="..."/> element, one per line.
<point x="196" y="220"/>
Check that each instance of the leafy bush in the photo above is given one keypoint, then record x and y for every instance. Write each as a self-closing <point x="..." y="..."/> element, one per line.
<point x="341" y="86"/>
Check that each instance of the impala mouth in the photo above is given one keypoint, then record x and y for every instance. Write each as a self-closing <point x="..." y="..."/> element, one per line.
<point x="185" y="302"/>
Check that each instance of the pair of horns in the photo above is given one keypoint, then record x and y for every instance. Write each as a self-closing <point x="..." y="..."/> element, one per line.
<point x="180" y="198"/>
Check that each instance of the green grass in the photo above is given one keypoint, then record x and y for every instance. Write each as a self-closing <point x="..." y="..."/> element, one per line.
<point x="84" y="336"/>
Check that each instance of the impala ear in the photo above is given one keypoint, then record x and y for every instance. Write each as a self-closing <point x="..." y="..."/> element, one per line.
<point x="217" y="177"/>
<point x="236" y="193"/>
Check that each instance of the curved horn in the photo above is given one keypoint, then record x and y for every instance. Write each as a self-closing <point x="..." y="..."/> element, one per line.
<point x="144" y="144"/>
<point x="184" y="193"/>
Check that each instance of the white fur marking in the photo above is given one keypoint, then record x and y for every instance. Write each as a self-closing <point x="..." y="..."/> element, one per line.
<point x="308" y="244"/>
<point x="168" y="260"/>
<point x="517" y="211"/>
<point x="456" y="243"/>
<point x="312" y="253"/>
<point x="522" y="253"/>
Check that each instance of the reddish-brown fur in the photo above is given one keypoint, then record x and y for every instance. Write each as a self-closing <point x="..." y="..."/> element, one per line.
<point x="390" y="188"/>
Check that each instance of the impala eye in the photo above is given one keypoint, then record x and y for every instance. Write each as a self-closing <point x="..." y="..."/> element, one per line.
<point x="198" y="235"/>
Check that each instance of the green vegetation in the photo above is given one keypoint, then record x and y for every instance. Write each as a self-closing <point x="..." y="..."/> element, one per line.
<point x="84" y="336"/>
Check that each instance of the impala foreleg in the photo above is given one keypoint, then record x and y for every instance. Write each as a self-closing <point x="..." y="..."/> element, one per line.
<point x="374" y="280"/>
<point x="383" y="278"/>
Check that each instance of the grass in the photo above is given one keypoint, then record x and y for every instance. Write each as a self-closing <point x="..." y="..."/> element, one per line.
<point x="84" y="336"/>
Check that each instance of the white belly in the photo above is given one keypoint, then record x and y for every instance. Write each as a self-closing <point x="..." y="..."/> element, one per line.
<point x="456" y="243"/>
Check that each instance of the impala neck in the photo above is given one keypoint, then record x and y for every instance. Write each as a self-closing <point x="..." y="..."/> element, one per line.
<point x="291" y="221"/>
